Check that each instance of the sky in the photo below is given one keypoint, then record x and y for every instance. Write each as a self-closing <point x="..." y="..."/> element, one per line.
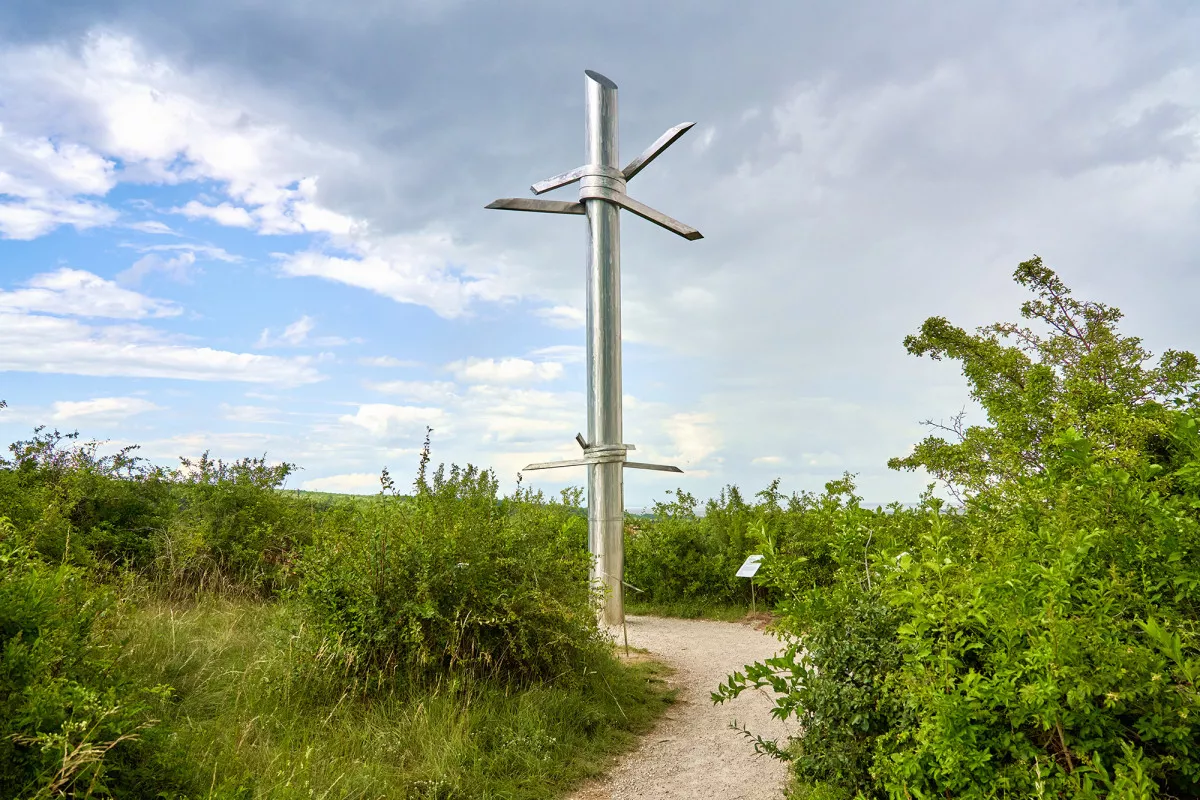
<point x="251" y="227"/>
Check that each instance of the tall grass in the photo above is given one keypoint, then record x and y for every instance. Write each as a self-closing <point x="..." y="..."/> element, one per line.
<point x="243" y="717"/>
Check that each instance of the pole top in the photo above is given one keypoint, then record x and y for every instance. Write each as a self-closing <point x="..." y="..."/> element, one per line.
<point x="600" y="79"/>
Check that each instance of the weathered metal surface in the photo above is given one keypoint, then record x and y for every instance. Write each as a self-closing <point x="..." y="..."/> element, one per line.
<point x="545" y="206"/>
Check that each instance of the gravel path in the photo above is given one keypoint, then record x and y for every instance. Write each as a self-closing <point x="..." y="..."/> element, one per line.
<point x="692" y="752"/>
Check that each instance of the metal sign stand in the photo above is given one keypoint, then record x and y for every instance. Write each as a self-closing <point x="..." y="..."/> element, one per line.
<point x="749" y="569"/>
<point x="601" y="197"/>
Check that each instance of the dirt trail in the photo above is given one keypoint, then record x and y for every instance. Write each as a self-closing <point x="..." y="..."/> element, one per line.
<point x="692" y="752"/>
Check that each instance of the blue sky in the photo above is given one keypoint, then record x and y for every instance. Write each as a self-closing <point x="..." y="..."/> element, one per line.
<point x="258" y="228"/>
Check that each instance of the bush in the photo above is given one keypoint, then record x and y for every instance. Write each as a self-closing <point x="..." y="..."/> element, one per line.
<point x="680" y="557"/>
<point x="1044" y="639"/>
<point x="70" y="723"/>
<point x="233" y="530"/>
<point x="208" y="525"/>
<point x="454" y="581"/>
<point x="96" y="511"/>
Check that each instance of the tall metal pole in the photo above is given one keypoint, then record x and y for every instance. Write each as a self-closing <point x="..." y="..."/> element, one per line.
<point x="601" y="197"/>
<point x="606" y="486"/>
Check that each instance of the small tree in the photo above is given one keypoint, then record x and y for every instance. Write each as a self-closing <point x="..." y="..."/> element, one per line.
<point x="1082" y="374"/>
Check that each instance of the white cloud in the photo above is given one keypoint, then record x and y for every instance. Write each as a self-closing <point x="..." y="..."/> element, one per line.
<point x="222" y="214"/>
<point x="421" y="391"/>
<point x="694" y="436"/>
<point x="705" y="139"/>
<point x="177" y="268"/>
<point x="110" y="102"/>
<point x="563" y="316"/>
<point x="387" y="361"/>
<point x="515" y="416"/>
<point x="42" y="179"/>
<point x="200" y="251"/>
<point x="503" y="420"/>
<point x="113" y="103"/>
<point x="251" y="414"/>
<point x="151" y="226"/>
<point x="294" y="334"/>
<point x="101" y="409"/>
<point x="564" y="353"/>
<point x="768" y="460"/>
<point x="411" y="268"/>
<point x="36" y="168"/>
<point x="38" y="343"/>
<point x="826" y="460"/>
<point x="75" y="292"/>
<point x="41" y="176"/>
<point x="226" y="446"/>
<point x="30" y="219"/>
<point x="297" y="333"/>
<point x="506" y="370"/>
<point x="383" y="419"/>
<point x="349" y="483"/>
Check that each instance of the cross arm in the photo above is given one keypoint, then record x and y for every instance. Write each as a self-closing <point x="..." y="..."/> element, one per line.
<point x="659" y="467"/>
<point x="570" y="176"/>
<point x="530" y="204"/>
<point x="655" y="150"/>
<point x="599" y="454"/>
<point x="646" y="212"/>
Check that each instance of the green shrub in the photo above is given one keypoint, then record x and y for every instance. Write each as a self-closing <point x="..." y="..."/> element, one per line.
<point x="453" y="581"/>
<point x="233" y="530"/>
<point x="841" y="634"/>
<point x="208" y="525"/>
<point x="678" y="556"/>
<point x="93" y="510"/>
<point x="1043" y="640"/>
<point x="70" y="723"/>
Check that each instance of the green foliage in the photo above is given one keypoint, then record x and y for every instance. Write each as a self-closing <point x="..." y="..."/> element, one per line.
<point x="454" y="580"/>
<point x="249" y="726"/>
<point x="1044" y="639"/>
<point x="93" y="510"/>
<point x="841" y="633"/>
<point x="686" y="563"/>
<point x="1047" y="659"/>
<point x="71" y="724"/>
<point x="233" y="529"/>
<point x="208" y="524"/>
<point x="479" y="605"/>
<point x="677" y="556"/>
<point x="1082" y="375"/>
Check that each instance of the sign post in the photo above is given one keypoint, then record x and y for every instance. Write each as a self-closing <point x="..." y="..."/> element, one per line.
<point x="601" y="197"/>
<point x="749" y="569"/>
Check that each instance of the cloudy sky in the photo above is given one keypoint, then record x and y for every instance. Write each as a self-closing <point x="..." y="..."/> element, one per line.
<point x="250" y="226"/>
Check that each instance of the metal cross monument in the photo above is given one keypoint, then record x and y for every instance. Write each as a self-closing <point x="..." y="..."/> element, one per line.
<point x="601" y="197"/>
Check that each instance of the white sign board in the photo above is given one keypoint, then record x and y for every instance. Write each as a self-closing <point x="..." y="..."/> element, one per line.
<point x="750" y="568"/>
